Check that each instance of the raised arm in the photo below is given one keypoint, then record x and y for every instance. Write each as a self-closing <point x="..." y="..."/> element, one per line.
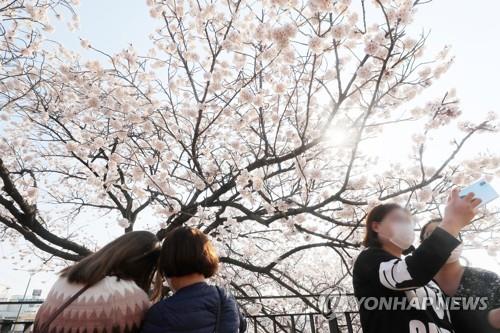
<point x="417" y="269"/>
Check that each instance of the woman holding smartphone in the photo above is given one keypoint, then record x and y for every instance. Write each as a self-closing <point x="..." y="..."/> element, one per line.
<point x="382" y="275"/>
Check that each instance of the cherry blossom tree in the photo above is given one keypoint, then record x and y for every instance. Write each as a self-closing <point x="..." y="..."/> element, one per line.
<point x="251" y="120"/>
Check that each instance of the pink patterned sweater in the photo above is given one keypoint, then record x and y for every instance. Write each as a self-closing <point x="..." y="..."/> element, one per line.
<point x="112" y="306"/>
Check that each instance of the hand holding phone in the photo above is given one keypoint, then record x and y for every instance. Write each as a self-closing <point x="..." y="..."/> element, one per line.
<point x="482" y="190"/>
<point x="458" y="212"/>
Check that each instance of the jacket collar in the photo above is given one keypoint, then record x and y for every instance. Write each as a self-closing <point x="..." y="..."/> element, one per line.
<point x="193" y="286"/>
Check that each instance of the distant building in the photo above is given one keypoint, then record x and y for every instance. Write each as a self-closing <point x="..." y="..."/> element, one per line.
<point x="21" y="312"/>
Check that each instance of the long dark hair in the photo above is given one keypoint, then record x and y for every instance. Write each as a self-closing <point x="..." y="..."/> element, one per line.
<point x="377" y="214"/>
<point x="132" y="256"/>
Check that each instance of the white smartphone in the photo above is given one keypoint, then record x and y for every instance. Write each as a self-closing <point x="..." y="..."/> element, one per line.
<point x="482" y="190"/>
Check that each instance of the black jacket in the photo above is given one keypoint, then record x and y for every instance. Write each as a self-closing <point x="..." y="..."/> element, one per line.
<point x="380" y="277"/>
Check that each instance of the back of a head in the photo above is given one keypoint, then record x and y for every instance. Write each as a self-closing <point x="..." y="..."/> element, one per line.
<point x="186" y="251"/>
<point x="132" y="256"/>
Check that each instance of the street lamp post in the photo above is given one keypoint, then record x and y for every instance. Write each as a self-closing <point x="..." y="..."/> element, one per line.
<point x="24" y="296"/>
